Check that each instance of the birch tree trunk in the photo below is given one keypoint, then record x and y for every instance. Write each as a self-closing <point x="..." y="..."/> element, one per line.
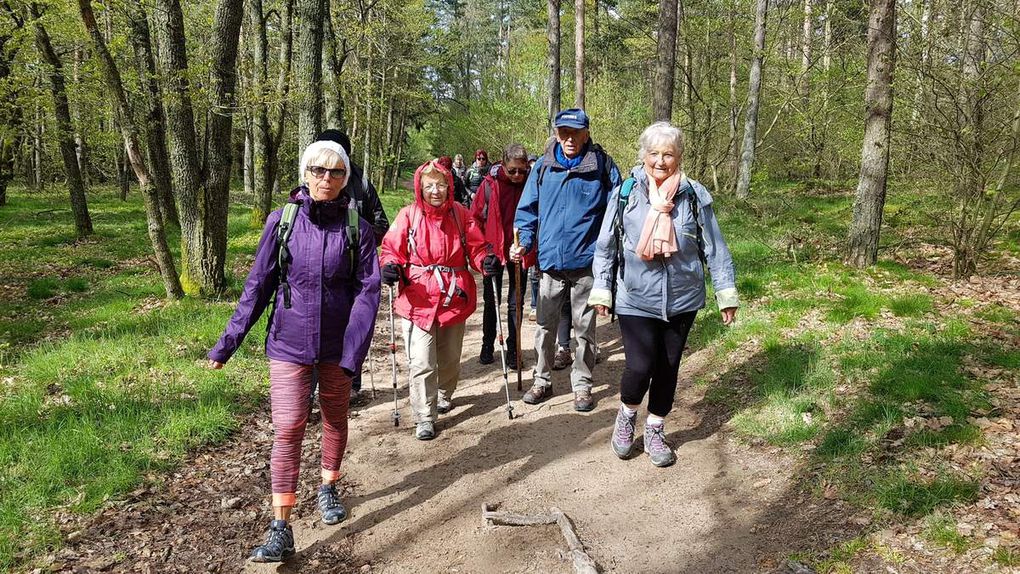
<point x="878" y="100"/>
<point x="753" y="93"/>
<point x="129" y="132"/>
<point x="805" y="51"/>
<point x="552" y="34"/>
<point x="65" y="131"/>
<point x="665" y="63"/>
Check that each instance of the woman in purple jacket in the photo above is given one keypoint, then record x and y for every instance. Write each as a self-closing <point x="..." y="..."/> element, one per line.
<point x="325" y="295"/>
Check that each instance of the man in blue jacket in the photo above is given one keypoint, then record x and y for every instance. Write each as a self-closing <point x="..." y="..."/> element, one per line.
<point x="567" y="191"/>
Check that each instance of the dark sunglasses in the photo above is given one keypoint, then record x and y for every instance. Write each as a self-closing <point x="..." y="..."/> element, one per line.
<point x="518" y="171"/>
<point x="322" y="171"/>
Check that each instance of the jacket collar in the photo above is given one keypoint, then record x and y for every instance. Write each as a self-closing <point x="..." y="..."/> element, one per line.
<point x="589" y="162"/>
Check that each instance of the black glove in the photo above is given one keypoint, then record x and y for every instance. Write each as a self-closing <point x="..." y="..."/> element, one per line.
<point x="391" y="273"/>
<point x="491" y="265"/>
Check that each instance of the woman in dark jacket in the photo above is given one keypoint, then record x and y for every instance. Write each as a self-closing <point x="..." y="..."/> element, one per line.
<point x="325" y="295"/>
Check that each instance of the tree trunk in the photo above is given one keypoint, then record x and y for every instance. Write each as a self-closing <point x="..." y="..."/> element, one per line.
<point x="552" y="34"/>
<point x="579" y="54"/>
<point x="335" y="68"/>
<point x="308" y="70"/>
<point x="753" y="93"/>
<point x="665" y="62"/>
<point x="198" y="277"/>
<point x="366" y="163"/>
<point x="805" y="51"/>
<point x="164" y="260"/>
<point x="878" y="100"/>
<point x="732" y="149"/>
<point x="284" y="65"/>
<point x="155" y="121"/>
<point x="223" y="81"/>
<point x="65" y="131"/>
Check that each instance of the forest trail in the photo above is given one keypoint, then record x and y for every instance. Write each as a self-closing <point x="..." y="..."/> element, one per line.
<point x="416" y="506"/>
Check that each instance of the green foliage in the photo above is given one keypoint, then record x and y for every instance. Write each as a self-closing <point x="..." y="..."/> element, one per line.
<point x="918" y="497"/>
<point x="940" y="528"/>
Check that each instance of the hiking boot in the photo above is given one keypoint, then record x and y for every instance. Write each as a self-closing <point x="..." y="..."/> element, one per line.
<point x="443" y="404"/>
<point x="598" y="354"/>
<point x="656" y="446"/>
<point x="425" y="430"/>
<point x="359" y="398"/>
<point x="328" y="501"/>
<point x="537" y="393"/>
<point x="511" y="360"/>
<point x="583" y="401"/>
<point x="623" y="434"/>
<point x="562" y="360"/>
<point x="279" y="543"/>
<point x="486" y="357"/>
<point x="532" y="315"/>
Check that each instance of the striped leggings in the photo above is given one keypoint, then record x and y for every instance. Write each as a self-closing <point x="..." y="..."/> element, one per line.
<point x="290" y="385"/>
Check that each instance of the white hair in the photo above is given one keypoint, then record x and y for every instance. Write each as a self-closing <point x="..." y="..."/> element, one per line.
<point x="660" y="133"/>
<point x="328" y="154"/>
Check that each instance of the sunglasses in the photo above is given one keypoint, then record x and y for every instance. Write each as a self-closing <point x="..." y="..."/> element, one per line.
<point x="436" y="187"/>
<point x="518" y="171"/>
<point x="321" y="172"/>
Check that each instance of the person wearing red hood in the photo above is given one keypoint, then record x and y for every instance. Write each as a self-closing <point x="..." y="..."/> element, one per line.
<point x="429" y="251"/>
<point x="494" y="207"/>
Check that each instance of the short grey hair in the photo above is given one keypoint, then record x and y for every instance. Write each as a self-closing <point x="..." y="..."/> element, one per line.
<point x="661" y="133"/>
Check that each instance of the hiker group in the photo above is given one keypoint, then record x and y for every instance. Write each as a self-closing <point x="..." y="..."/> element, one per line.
<point x="589" y="242"/>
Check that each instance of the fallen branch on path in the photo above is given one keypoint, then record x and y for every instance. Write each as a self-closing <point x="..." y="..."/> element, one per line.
<point x="583" y="564"/>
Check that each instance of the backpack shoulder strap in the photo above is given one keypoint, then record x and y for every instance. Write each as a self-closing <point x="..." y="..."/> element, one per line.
<point x="284" y="229"/>
<point x="695" y="207"/>
<point x="463" y="237"/>
<point x="353" y="234"/>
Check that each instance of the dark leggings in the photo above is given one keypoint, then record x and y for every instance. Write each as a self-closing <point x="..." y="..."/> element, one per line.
<point x="653" y="349"/>
<point x="490" y="287"/>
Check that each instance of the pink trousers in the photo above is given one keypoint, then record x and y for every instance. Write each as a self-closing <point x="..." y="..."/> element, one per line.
<point x="290" y="385"/>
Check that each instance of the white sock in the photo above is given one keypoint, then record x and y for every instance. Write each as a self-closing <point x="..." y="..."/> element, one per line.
<point x="654" y="420"/>
<point x="627" y="410"/>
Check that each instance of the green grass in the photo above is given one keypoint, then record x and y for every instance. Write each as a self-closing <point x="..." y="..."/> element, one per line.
<point x="1007" y="556"/>
<point x="917" y="497"/>
<point x="940" y="528"/>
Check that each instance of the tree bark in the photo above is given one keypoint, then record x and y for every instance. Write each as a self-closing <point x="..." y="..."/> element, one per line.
<point x="335" y="57"/>
<point x="198" y="276"/>
<point x="308" y="70"/>
<point x="878" y="100"/>
<point x="154" y="127"/>
<point x="284" y="64"/>
<point x="732" y="148"/>
<point x="807" y="31"/>
<point x="157" y="235"/>
<point x="65" y="131"/>
<point x="753" y="93"/>
<point x="579" y="54"/>
<point x="552" y="34"/>
<point x="665" y="62"/>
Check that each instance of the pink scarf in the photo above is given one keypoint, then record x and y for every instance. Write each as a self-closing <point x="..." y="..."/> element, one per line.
<point x="658" y="236"/>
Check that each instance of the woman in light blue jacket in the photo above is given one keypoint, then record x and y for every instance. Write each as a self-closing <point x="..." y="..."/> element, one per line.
<point x="669" y="234"/>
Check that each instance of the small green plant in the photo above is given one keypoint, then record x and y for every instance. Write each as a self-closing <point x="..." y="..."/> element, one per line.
<point x="76" y="285"/>
<point x="1007" y="556"/>
<point x="940" y="528"/>
<point x="915" y="497"/>
<point x="911" y="305"/>
<point x="43" y="288"/>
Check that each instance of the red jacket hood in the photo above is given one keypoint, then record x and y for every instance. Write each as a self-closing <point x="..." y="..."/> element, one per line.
<point x="420" y="199"/>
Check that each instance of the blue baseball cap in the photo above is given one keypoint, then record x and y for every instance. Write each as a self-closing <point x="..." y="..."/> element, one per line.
<point x="572" y="118"/>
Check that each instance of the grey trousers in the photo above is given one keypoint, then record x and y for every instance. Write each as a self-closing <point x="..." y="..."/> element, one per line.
<point x="433" y="357"/>
<point x="554" y="287"/>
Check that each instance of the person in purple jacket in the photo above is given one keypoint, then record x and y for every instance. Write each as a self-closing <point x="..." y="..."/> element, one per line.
<point x="325" y="296"/>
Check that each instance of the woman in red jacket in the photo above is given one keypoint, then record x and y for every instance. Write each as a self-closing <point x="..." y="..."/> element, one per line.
<point x="429" y="250"/>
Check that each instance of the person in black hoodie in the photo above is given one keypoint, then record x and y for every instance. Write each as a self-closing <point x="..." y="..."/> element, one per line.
<point x="370" y="209"/>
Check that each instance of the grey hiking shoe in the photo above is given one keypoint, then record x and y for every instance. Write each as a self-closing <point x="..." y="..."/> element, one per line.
<point x="656" y="446"/>
<point x="623" y="434"/>
<point x="328" y="501"/>
<point x="443" y="403"/>
<point x="425" y="430"/>
<point x="279" y="543"/>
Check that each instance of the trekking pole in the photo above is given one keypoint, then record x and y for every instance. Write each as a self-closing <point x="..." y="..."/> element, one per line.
<point x="502" y="356"/>
<point x="518" y="300"/>
<point x="393" y="361"/>
<point x="371" y="372"/>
